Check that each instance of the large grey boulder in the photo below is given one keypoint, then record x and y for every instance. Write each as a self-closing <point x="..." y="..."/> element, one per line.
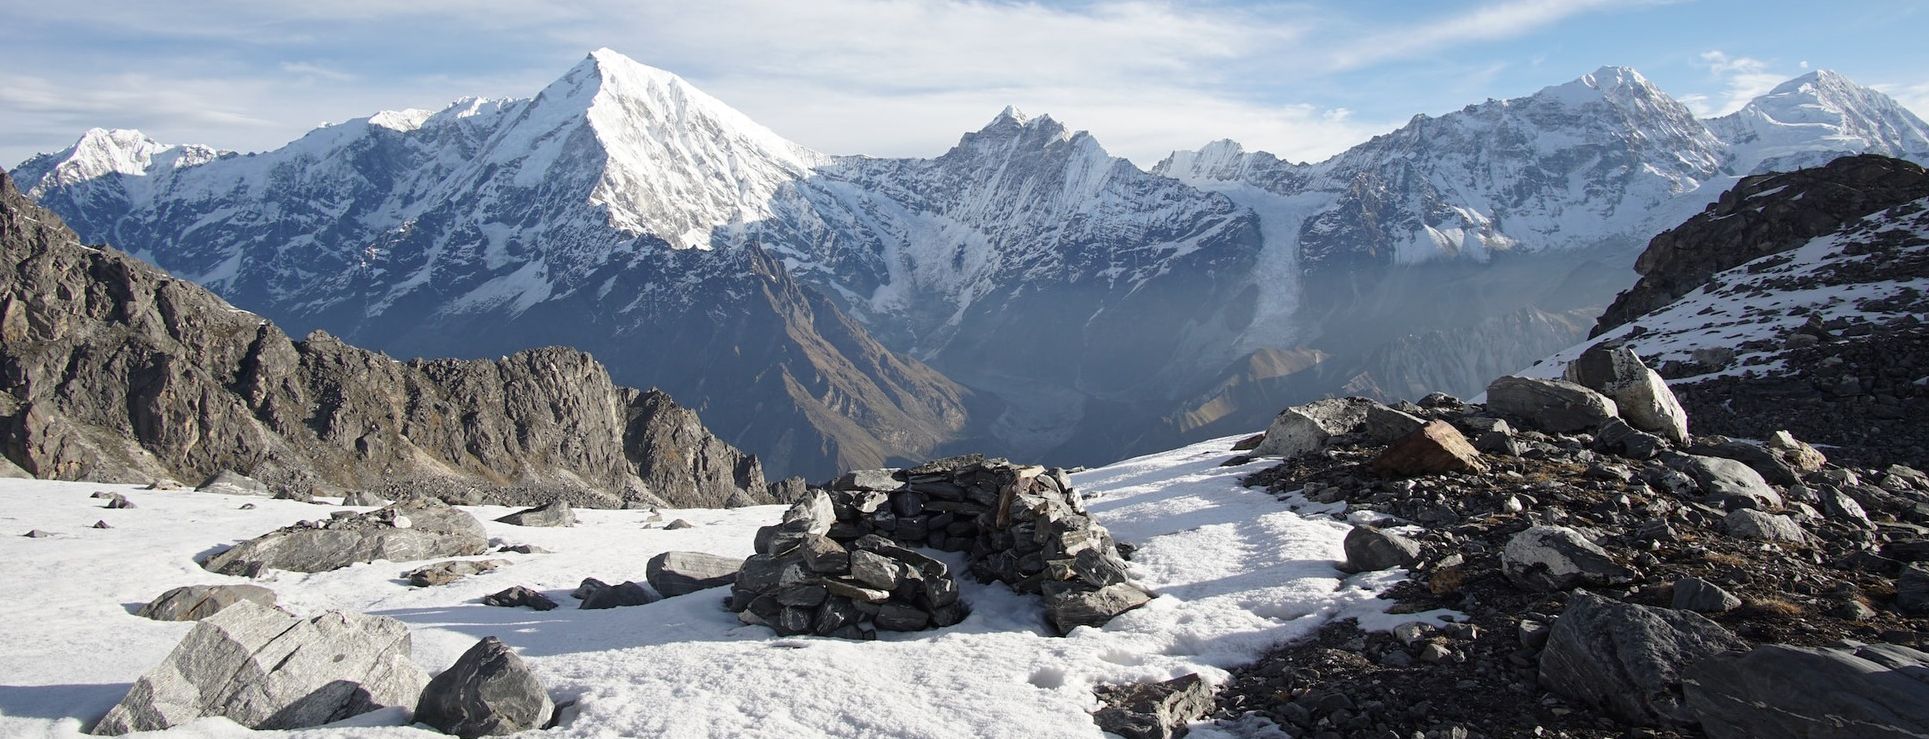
<point x="489" y="691"/>
<point x="1640" y="396"/>
<point x="553" y="513"/>
<point x="1369" y="549"/>
<point x="1627" y="660"/>
<point x="1550" y="405"/>
<point x="443" y="573"/>
<point x="1310" y="427"/>
<point x="1748" y="523"/>
<point x="196" y="602"/>
<point x="410" y="530"/>
<point x="680" y="573"/>
<point x="229" y="482"/>
<point x="265" y="669"/>
<point x="1776" y="691"/>
<point x="1729" y="482"/>
<point x="1556" y="558"/>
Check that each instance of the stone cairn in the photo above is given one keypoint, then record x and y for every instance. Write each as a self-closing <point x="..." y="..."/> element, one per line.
<point x="844" y="560"/>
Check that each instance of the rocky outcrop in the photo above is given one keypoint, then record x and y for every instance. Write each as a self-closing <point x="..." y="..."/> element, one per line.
<point x="1158" y="710"/>
<point x="265" y="669"/>
<point x="411" y="530"/>
<point x="552" y="514"/>
<point x="1550" y="405"/>
<point x="489" y="691"/>
<point x="117" y="372"/>
<point x="1763" y="215"/>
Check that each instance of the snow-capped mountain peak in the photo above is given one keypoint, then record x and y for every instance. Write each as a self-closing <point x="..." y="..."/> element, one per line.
<point x="1817" y="117"/>
<point x="101" y="153"/>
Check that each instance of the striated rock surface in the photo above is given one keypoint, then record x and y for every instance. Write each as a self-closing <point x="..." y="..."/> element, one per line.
<point x="196" y="602"/>
<point x="265" y="669"/>
<point x="118" y="372"/>
<point x="489" y="691"/>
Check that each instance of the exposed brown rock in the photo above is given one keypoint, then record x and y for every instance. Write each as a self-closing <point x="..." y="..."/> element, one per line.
<point x="1437" y="447"/>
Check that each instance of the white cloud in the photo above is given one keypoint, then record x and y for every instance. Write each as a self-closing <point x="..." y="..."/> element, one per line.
<point x="1914" y="95"/>
<point x="1742" y="79"/>
<point x="1487" y="23"/>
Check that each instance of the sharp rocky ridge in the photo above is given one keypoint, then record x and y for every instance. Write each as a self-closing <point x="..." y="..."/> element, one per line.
<point x="115" y="371"/>
<point x="1025" y="292"/>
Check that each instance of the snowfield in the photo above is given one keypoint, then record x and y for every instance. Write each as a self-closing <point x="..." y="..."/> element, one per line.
<point x="1235" y="571"/>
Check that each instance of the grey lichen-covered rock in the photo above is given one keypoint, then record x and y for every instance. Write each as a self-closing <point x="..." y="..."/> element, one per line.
<point x="1777" y="691"/>
<point x="1550" y="405"/>
<point x="410" y="530"/>
<point x="1557" y="558"/>
<point x="489" y="691"/>
<point x="1370" y="549"/>
<point x="196" y="602"/>
<point x="1701" y="596"/>
<point x="1627" y="660"/>
<point x="681" y="573"/>
<point x="1748" y="523"/>
<point x="1729" y="482"/>
<point x="124" y="373"/>
<point x="1640" y="395"/>
<point x="229" y="482"/>
<point x="1158" y="710"/>
<point x="1307" y="428"/>
<point x="265" y="669"/>
<point x="553" y="514"/>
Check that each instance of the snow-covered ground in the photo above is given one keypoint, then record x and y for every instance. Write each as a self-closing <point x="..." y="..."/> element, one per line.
<point x="1235" y="571"/>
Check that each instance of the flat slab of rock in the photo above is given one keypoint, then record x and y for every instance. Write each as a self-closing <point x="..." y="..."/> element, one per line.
<point x="229" y="482"/>
<point x="1627" y="660"/>
<point x="1748" y="523"/>
<point x="552" y="514"/>
<point x="1071" y="609"/>
<point x="489" y="691"/>
<point x="265" y="669"/>
<point x="1158" y="710"/>
<point x="681" y="573"/>
<point x="363" y="498"/>
<point x="1550" y="405"/>
<point x="196" y="602"/>
<point x="1311" y="426"/>
<point x="1436" y="448"/>
<point x="1776" y="691"/>
<point x="1556" y="558"/>
<point x="410" y="530"/>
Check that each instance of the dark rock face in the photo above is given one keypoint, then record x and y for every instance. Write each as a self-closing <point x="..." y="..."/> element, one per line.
<point x="265" y="669"/>
<point x="1368" y="549"/>
<point x="410" y="530"/>
<point x="196" y="602"/>
<point x="104" y="355"/>
<point x="1806" y="203"/>
<point x="1778" y="691"/>
<point x="1627" y="659"/>
<point x="487" y="692"/>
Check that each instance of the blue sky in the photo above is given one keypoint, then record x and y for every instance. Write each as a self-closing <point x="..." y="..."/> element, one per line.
<point x="906" y="77"/>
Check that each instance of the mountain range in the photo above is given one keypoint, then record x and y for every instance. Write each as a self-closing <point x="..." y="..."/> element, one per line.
<point x="1025" y="293"/>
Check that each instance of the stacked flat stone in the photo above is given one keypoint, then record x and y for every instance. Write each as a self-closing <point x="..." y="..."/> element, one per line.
<point x="844" y="563"/>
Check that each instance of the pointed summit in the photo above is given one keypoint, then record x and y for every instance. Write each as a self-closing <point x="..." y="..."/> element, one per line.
<point x="1815" y="118"/>
<point x="1010" y="113"/>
